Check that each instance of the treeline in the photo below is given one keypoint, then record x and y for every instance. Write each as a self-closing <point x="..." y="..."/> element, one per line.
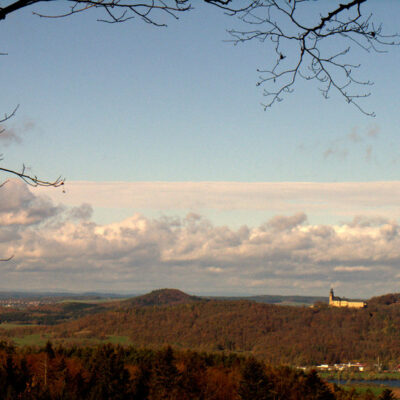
<point x="277" y="334"/>
<point x="113" y="372"/>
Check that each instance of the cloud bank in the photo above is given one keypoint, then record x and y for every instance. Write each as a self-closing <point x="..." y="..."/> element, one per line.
<point x="59" y="247"/>
<point x="321" y="201"/>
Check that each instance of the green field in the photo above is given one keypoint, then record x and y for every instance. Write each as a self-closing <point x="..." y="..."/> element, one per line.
<point x="361" y="389"/>
<point x="122" y="340"/>
<point x="31" y="340"/>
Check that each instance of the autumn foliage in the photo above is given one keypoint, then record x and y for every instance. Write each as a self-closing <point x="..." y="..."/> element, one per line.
<point x="277" y="334"/>
<point x="114" y="372"/>
<point x="274" y="333"/>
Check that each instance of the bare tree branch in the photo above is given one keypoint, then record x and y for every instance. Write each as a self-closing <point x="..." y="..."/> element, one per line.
<point x="306" y="45"/>
<point x="307" y="51"/>
<point x="10" y="115"/>
<point x="7" y="259"/>
<point x="31" y="180"/>
<point x="4" y="11"/>
<point x="115" y="10"/>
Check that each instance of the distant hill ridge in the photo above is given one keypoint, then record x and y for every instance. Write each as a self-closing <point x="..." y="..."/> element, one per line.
<point x="277" y="333"/>
<point x="163" y="297"/>
<point x="175" y="296"/>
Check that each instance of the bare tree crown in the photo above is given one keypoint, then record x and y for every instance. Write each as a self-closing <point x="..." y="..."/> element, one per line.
<point x="313" y="45"/>
<point x="315" y="48"/>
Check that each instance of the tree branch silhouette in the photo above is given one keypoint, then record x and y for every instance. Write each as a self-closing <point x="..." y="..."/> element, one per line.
<point x="309" y="45"/>
<point x="318" y="50"/>
<point x="31" y="180"/>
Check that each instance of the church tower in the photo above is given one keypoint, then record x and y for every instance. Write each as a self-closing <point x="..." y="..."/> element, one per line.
<point x="331" y="296"/>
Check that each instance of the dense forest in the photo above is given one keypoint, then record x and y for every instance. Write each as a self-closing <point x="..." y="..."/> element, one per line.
<point x="118" y="373"/>
<point x="276" y="334"/>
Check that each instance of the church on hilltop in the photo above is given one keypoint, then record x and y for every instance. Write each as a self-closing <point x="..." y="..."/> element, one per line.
<point x="335" y="301"/>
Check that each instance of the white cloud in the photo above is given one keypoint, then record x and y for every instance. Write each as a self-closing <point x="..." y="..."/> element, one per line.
<point x="352" y="269"/>
<point x="215" y="270"/>
<point x="18" y="206"/>
<point x="286" y="254"/>
<point x="282" y="223"/>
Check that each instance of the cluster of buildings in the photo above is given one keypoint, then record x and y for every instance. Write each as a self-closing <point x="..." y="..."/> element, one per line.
<point x="25" y="302"/>
<point x="19" y="303"/>
<point x="342" y="367"/>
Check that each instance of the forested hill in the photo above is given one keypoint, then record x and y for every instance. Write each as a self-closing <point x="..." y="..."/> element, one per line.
<point x="278" y="334"/>
<point x="385" y="300"/>
<point x="162" y="297"/>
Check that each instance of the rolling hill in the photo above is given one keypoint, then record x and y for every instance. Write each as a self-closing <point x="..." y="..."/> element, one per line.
<point x="162" y="297"/>
<point x="278" y="334"/>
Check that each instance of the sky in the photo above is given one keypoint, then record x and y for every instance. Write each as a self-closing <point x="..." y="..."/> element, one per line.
<point x="175" y="174"/>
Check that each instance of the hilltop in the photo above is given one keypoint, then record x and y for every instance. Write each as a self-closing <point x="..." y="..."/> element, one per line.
<point x="162" y="297"/>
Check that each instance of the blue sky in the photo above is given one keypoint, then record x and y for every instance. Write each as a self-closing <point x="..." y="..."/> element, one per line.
<point x="130" y="102"/>
<point x="180" y="104"/>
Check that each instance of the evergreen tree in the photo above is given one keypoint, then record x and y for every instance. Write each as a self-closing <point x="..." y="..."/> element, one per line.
<point x="254" y="384"/>
<point x="387" y="394"/>
<point x="141" y="383"/>
<point x="109" y="378"/>
<point x="49" y="350"/>
<point x="316" y="389"/>
<point x="192" y="378"/>
<point x="164" y="382"/>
